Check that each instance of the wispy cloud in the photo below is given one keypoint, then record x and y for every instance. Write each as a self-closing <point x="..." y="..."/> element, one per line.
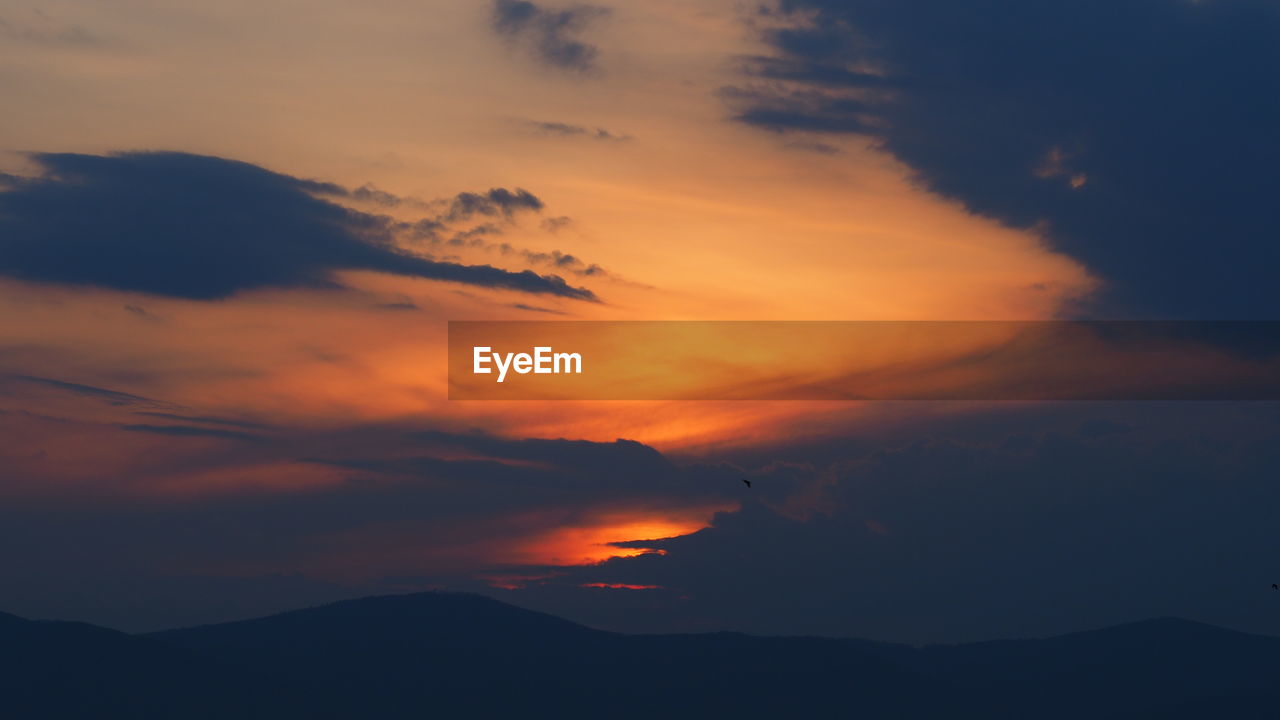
<point x="567" y="130"/>
<point x="552" y="35"/>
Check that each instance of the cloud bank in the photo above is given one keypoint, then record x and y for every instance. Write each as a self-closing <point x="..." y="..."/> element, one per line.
<point x="1137" y="136"/>
<point x="205" y="228"/>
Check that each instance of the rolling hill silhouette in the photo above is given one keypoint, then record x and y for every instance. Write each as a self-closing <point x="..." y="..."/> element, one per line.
<point x="72" y="670"/>
<point x="454" y="655"/>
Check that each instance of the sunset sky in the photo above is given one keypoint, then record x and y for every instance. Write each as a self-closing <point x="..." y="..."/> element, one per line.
<point x="232" y="235"/>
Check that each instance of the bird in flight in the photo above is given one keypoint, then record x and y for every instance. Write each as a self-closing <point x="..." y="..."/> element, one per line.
<point x="746" y="482"/>
<point x="1274" y="586"/>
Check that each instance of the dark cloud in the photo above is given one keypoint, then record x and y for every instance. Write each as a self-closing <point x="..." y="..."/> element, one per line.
<point x="814" y="72"/>
<point x="531" y="473"/>
<point x="496" y="202"/>
<point x="205" y="419"/>
<point x="439" y="232"/>
<point x="814" y="146"/>
<point x="535" y="308"/>
<point x="563" y="262"/>
<point x="371" y="194"/>
<point x="191" y="431"/>
<point x="205" y="228"/>
<point x="111" y="397"/>
<point x="801" y="110"/>
<point x="402" y="306"/>
<point x="1031" y="522"/>
<point x="551" y="34"/>
<point x="1139" y="135"/>
<point x="567" y="130"/>
<point x="438" y="493"/>
<point x="141" y="312"/>
<point x="943" y="540"/>
<point x="556" y="224"/>
<point x="451" y="224"/>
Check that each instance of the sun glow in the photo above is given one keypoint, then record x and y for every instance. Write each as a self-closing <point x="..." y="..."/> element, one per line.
<point x="590" y="544"/>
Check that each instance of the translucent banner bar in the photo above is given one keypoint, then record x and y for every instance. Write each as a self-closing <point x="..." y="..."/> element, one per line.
<point x="943" y="360"/>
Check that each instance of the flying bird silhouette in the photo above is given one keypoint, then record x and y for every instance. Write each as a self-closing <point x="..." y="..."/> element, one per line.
<point x="746" y="482"/>
<point x="1274" y="586"/>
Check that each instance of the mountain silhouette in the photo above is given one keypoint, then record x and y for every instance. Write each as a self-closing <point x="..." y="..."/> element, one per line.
<point x="457" y="655"/>
<point x="72" y="670"/>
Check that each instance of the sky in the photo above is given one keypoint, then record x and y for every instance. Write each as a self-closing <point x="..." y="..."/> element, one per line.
<point x="232" y="235"/>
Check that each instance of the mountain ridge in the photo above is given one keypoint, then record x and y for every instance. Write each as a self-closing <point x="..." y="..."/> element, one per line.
<point x="397" y="656"/>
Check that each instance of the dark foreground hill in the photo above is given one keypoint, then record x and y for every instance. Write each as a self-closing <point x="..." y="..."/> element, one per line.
<point x="448" y="655"/>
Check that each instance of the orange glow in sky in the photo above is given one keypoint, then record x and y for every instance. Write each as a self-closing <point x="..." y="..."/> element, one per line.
<point x="690" y="218"/>
<point x="585" y="545"/>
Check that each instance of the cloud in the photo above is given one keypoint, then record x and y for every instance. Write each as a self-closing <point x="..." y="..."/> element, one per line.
<point x="191" y="431"/>
<point x="556" y="224"/>
<point x="206" y="419"/>
<point x="205" y="228"/>
<point x="948" y="539"/>
<point x="111" y="397"/>
<point x="398" y="306"/>
<point x="451" y="224"/>
<point x="393" y="499"/>
<point x="1024" y="522"/>
<point x="551" y="34"/>
<point x="37" y="26"/>
<point x="813" y="146"/>
<point x="1137" y="136"/>
<point x="496" y="202"/>
<point x="535" y="308"/>
<point x="814" y="72"/>
<point x="804" y="110"/>
<point x="563" y="262"/>
<point x="567" y="130"/>
<point x="141" y="312"/>
<point x="439" y="232"/>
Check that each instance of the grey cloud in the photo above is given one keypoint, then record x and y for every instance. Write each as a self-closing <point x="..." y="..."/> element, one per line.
<point x="567" y="130"/>
<point x="495" y="202"/>
<point x="401" y="490"/>
<point x="111" y="397"/>
<point x="1003" y="524"/>
<point x="945" y="540"/>
<point x="534" y="308"/>
<point x="551" y="34"/>
<point x="206" y="228"/>
<point x="1137" y="136"/>
<point x="206" y="419"/>
<point x="192" y="431"/>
